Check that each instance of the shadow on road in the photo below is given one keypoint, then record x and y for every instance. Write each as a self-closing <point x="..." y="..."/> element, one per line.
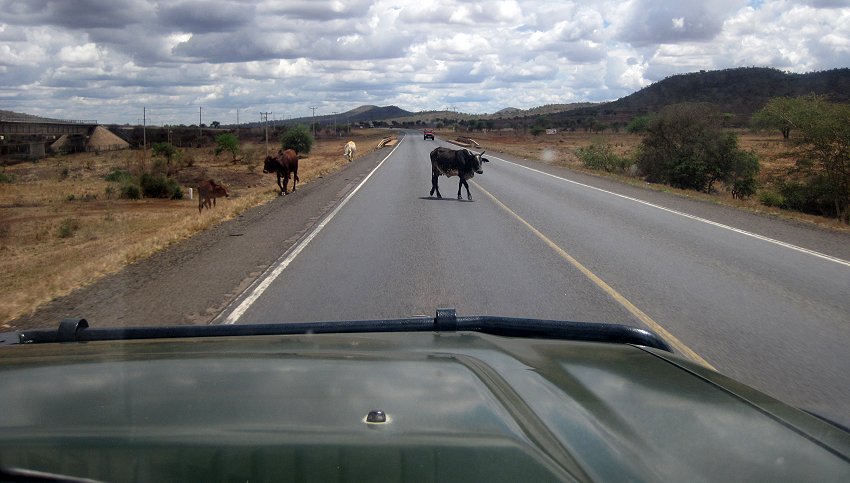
<point x="434" y="198"/>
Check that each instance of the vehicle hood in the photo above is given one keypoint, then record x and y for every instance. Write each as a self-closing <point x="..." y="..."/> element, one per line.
<point x="460" y="406"/>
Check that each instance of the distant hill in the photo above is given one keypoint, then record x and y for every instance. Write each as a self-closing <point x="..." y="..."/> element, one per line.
<point x="512" y="112"/>
<point x="741" y="92"/>
<point x="365" y="113"/>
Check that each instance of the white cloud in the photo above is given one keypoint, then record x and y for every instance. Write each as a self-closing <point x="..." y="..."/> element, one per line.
<point x="481" y="56"/>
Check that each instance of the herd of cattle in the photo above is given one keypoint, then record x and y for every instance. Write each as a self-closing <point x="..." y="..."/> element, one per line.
<point x="462" y="163"/>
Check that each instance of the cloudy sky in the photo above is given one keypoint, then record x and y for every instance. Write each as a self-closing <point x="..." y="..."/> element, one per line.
<point x="107" y="59"/>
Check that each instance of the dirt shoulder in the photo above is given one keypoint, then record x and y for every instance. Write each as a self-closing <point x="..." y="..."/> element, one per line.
<point x="192" y="281"/>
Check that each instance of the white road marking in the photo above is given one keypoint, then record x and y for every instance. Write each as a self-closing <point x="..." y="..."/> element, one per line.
<point x="692" y="217"/>
<point x="274" y="271"/>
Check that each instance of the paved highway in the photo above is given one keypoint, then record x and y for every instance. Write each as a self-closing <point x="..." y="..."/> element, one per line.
<point x="742" y="296"/>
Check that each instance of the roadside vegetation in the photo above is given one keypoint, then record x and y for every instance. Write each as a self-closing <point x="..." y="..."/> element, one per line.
<point x="793" y="160"/>
<point x="67" y="220"/>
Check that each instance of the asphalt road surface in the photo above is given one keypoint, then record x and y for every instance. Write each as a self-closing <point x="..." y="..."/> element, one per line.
<point x="733" y="290"/>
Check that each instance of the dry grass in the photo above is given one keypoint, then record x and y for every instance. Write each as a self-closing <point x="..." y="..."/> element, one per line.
<point x="559" y="150"/>
<point x="61" y="229"/>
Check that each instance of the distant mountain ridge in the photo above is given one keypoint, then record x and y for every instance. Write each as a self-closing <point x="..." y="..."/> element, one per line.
<point x="739" y="91"/>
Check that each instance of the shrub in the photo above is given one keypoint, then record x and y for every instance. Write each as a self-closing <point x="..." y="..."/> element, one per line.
<point x="638" y="125"/>
<point x="685" y="147"/>
<point x="68" y="227"/>
<point x="771" y="198"/>
<point x="812" y="196"/>
<point x="601" y="156"/>
<point x="118" y="175"/>
<point x="159" y="186"/>
<point x="130" y="191"/>
<point x="6" y="178"/>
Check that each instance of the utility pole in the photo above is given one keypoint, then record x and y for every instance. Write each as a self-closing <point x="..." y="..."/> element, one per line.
<point x="200" y="132"/>
<point x="335" y="131"/>
<point x="144" y="133"/>
<point x="237" y="122"/>
<point x="264" y="117"/>
<point x="314" y="120"/>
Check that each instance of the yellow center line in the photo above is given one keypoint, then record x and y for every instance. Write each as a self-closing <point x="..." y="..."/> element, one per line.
<point x="617" y="296"/>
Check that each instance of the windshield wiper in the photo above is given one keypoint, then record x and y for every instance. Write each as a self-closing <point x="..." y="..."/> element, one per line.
<point x="445" y="320"/>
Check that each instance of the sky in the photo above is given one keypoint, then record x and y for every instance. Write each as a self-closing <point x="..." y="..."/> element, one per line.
<point x="177" y="61"/>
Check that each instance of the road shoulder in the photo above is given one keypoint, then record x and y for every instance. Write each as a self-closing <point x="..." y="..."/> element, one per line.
<point x="192" y="281"/>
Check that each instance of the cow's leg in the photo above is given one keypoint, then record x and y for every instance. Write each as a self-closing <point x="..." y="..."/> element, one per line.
<point x="466" y="185"/>
<point x="279" y="185"/>
<point x="295" y="180"/>
<point x="200" y="203"/>
<point x="435" y="184"/>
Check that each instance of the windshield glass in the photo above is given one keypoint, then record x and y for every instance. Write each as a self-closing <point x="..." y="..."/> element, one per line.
<point x="679" y="167"/>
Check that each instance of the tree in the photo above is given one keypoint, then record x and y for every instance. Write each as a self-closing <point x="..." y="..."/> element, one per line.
<point x="297" y="138"/>
<point x="685" y="147"/>
<point x="227" y="142"/>
<point x="165" y="151"/>
<point x="775" y="115"/>
<point x="822" y="147"/>
<point x="215" y="124"/>
<point x="638" y="124"/>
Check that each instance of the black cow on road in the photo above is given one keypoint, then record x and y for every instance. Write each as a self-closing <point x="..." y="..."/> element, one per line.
<point x="449" y="162"/>
<point x="284" y="164"/>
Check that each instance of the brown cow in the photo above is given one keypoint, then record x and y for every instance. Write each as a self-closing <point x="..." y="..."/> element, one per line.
<point x="208" y="191"/>
<point x="284" y="164"/>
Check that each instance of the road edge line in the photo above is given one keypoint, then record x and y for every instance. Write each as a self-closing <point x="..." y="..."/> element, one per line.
<point x="256" y="289"/>
<point x="774" y="241"/>
<point x="613" y="293"/>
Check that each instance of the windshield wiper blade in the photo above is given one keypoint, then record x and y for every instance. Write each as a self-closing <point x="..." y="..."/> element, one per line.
<point x="445" y="320"/>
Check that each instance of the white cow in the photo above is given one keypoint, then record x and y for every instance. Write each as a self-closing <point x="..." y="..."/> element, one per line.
<point x="350" y="149"/>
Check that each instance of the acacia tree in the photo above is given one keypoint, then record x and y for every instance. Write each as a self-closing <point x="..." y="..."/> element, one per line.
<point x="775" y="115"/>
<point x="822" y="147"/>
<point x="227" y="142"/>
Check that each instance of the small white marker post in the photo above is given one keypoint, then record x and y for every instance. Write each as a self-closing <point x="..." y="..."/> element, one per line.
<point x="190" y="193"/>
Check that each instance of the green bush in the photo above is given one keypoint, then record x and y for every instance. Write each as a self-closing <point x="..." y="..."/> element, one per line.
<point x="131" y="191"/>
<point x="6" y="178"/>
<point x="684" y="146"/>
<point x="227" y="142"/>
<point x="159" y="186"/>
<point x="297" y="138"/>
<point x="602" y="157"/>
<point x="118" y="175"/>
<point x="812" y="196"/>
<point x="771" y="198"/>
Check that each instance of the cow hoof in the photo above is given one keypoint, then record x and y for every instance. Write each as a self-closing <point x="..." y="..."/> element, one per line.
<point x="459" y="197"/>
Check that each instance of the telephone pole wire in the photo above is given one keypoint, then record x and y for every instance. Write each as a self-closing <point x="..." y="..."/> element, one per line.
<point x="314" y="121"/>
<point x="264" y="117"/>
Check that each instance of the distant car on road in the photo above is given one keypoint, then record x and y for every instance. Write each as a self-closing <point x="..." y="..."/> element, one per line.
<point x="428" y="134"/>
